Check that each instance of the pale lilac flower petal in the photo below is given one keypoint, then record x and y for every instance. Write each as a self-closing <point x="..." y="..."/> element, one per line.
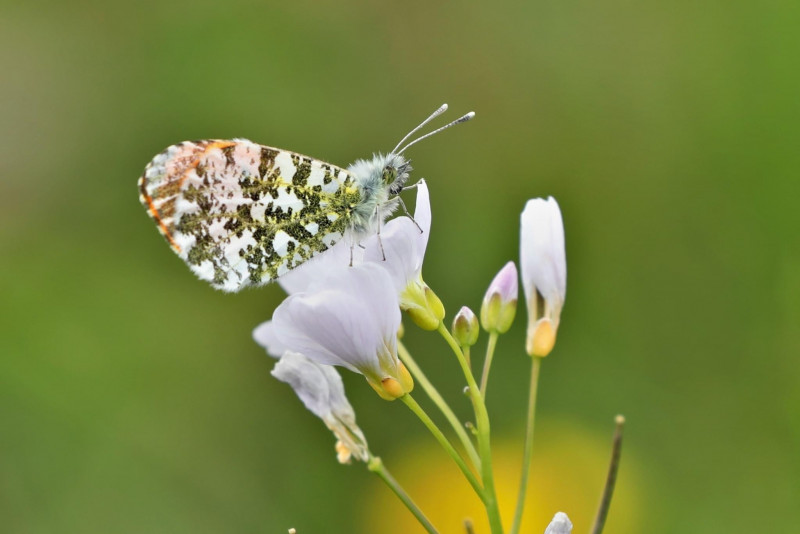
<point x="351" y="322"/>
<point x="504" y="284"/>
<point x="301" y="277"/>
<point x="542" y="256"/>
<point x="320" y="389"/>
<point x="403" y="242"/>
<point x="264" y="335"/>
<point x="422" y="213"/>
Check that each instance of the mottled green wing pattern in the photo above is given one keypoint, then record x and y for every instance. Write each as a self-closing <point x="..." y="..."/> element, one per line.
<point x="241" y="214"/>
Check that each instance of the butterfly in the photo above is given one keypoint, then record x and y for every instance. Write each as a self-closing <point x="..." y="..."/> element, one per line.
<point x="241" y="214"/>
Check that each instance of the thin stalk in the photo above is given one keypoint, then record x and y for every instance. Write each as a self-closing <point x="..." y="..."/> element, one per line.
<point x="448" y="447"/>
<point x="440" y="403"/>
<point x="376" y="466"/>
<point x="611" y="479"/>
<point x="528" y="450"/>
<point x="484" y="443"/>
<point x="487" y="362"/>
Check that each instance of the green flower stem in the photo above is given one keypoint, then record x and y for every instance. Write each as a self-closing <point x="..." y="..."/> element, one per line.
<point x="528" y="450"/>
<point x="487" y="362"/>
<point x="439" y="401"/>
<point x="428" y="422"/>
<point x="376" y="466"/>
<point x="484" y="444"/>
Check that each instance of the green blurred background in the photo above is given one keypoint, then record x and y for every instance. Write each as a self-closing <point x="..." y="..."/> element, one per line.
<point x="132" y="398"/>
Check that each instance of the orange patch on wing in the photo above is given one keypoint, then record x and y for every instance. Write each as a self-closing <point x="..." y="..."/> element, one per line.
<point x="193" y="165"/>
<point x="156" y="217"/>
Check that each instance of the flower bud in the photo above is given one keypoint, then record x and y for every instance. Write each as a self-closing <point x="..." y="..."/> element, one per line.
<point x="559" y="525"/>
<point x="465" y="327"/>
<point x="422" y="305"/>
<point x="500" y="302"/>
<point x="544" y="272"/>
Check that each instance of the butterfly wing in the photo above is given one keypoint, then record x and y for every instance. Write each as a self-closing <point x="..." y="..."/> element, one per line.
<point x="239" y="213"/>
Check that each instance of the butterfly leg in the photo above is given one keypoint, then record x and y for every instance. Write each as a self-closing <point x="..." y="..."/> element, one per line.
<point x="405" y="210"/>
<point x="383" y="253"/>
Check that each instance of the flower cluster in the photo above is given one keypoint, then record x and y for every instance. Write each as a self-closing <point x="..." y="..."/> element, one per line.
<point x="344" y="309"/>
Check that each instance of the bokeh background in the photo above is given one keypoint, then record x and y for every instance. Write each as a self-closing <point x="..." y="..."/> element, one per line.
<point x="132" y="398"/>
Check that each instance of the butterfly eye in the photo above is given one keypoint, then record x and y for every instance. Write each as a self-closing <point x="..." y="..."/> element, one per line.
<point x="389" y="174"/>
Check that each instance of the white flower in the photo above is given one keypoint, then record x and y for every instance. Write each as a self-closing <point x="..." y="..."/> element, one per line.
<point x="404" y="244"/>
<point x="544" y="272"/>
<point x="403" y="250"/>
<point x="349" y="318"/>
<point x="321" y="390"/>
<point x="559" y="525"/>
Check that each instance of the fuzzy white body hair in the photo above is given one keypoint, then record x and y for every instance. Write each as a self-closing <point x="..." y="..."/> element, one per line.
<point x="377" y="201"/>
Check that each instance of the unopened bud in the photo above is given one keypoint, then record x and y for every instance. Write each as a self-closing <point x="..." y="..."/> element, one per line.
<point x="465" y="327"/>
<point x="422" y="305"/>
<point x="500" y="302"/>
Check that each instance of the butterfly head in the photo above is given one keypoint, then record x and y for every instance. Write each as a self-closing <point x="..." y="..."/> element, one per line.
<point x="395" y="173"/>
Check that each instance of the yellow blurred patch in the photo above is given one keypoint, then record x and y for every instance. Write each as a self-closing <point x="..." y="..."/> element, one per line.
<point x="569" y="470"/>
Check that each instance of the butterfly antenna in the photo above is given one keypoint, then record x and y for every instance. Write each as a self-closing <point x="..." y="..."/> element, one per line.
<point x="435" y="114"/>
<point x="465" y="118"/>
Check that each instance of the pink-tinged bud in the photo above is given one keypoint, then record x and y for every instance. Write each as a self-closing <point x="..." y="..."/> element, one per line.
<point x="500" y="302"/>
<point x="465" y="327"/>
<point x="544" y="272"/>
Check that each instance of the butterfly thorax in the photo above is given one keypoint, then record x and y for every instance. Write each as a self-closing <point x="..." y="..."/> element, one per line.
<point x="379" y="180"/>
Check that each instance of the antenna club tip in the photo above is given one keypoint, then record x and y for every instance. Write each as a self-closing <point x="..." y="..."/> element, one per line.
<point x="443" y="107"/>
<point x="619" y="419"/>
<point x="470" y="115"/>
